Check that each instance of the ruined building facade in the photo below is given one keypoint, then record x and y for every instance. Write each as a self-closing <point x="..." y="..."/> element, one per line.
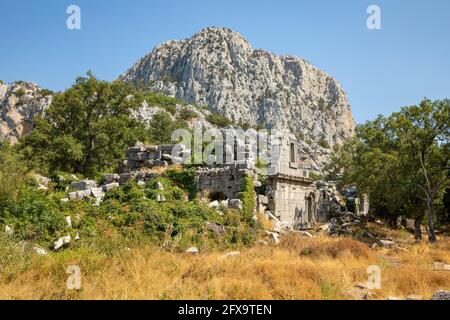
<point x="286" y="186"/>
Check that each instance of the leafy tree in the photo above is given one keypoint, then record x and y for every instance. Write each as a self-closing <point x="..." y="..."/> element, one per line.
<point x="86" y="129"/>
<point x="401" y="162"/>
<point x="424" y="131"/>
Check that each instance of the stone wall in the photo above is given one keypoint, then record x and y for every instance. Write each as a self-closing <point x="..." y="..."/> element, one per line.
<point x="142" y="156"/>
<point x="225" y="180"/>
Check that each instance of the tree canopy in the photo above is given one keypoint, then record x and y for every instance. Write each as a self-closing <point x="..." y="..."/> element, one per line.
<point x="86" y="129"/>
<point x="400" y="161"/>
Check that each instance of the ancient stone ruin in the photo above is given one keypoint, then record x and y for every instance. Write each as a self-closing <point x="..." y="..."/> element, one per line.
<point x="289" y="194"/>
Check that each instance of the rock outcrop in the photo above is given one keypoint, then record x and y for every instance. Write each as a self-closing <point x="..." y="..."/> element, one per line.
<point x="20" y="102"/>
<point x="219" y="68"/>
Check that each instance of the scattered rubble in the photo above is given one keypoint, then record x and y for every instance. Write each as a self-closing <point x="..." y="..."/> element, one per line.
<point x="230" y="254"/>
<point x="8" y="230"/>
<point x="235" y="204"/>
<point x="214" y="227"/>
<point x="360" y="292"/>
<point x="342" y="224"/>
<point x="386" y="243"/>
<point x="42" y="182"/>
<point x="39" y="250"/>
<point x="441" y="295"/>
<point x="439" y="266"/>
<point x="69" y="221"/>
<point x="192" y="250"/>
<point x="61" y="242"/>
<point x="214" y="204"/>
<point x="110" y="186"/>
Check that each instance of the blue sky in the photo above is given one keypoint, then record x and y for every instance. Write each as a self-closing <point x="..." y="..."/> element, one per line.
<point x="380" y="70"/>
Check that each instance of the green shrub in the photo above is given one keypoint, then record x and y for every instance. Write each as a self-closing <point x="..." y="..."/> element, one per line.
<point x="13" y="258"/>
<point x="187" y="114"/>
<point x="248" y="195"/>
<point x="218" y="120"/>
<point x="34" y="216"/>
<point x="45" y="92"/>
<point x="167" y="103"/>
<point x="129" y="191"/>
<point x="20" y="93"/>
<point x="324" y="143"/>
<point x="185" y="179"/>
<point x="12" y="174"/>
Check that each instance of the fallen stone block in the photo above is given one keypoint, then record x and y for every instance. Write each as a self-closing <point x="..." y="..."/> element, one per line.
<point x="141" y="183"/>
<point x="61" y="242"/>
<point x="110" y="186"/>
<point x="439" y="266"/>
<point x="83" y="185"/>
<point x="414" y="297"/>
<point x="160" y="186"/>
<point x="41" y="187"/>
<point x="386" y="243"/>
<point x="111" y="177"/>
<point x="192" y="250"/>
<point x="69" y="221"/>
<point x="97" y="193"/>
<point x="325" y="227"/>
<point x="235" y="204"/>
<point x="441" y="295"/>
<point x="263" y="199"/>
<point x="160" y="198"/>
<point x="223" y="204"/>
<point x="39" y="250"/>
<point x="214" y="227"/>
<point x="214" y="204"/>
<point x="83" y="194"/>
<point x="8" y="230"/>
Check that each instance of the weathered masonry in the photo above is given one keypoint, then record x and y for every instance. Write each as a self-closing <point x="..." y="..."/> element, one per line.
<point x="288" y="192"/>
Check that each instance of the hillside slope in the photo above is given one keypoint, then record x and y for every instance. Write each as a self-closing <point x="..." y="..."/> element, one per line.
<point x="220" y="69"/>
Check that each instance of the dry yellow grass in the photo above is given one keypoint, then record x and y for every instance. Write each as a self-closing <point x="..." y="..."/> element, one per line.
<point x="300" y="268"/>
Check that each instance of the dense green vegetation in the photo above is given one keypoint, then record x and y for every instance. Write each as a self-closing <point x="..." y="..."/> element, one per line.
<point x="401" y="162"/>
<point x="86" y="129"/>
<point x="84" y="133"/>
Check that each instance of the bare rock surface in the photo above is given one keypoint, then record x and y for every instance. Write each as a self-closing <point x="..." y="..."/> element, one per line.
<point x="20" y="102"/>
<point x="218" y="68"/>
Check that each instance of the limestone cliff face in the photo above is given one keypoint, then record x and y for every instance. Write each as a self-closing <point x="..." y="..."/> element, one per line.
<point x="220" y="69"/>
<point x="20" y="102"/>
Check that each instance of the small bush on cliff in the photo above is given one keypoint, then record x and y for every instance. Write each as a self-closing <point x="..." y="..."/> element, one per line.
<point x="218" y="120"/>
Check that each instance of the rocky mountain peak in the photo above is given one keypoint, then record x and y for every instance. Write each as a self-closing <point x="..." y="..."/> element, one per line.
<point x="218" y="68"/>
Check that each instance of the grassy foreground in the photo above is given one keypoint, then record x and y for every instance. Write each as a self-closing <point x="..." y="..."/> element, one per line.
<point x="300" y="268"/>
